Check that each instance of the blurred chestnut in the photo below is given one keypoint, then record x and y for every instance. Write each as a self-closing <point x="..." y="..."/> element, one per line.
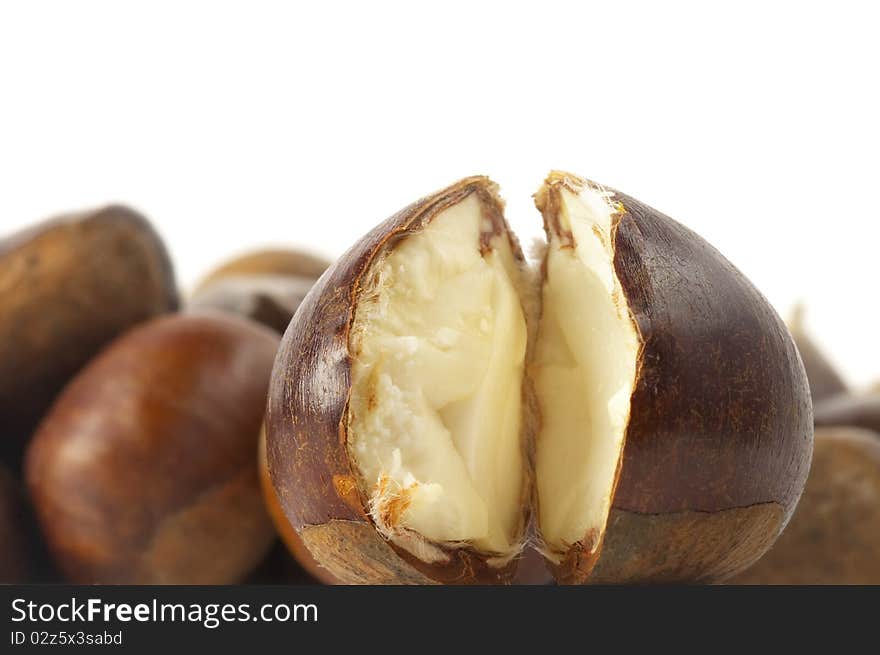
<point x="268" y="299"/>
<point x="144" y="469"/>
<point x="283" y="262"/>
<point x="638" y="398"/>
<point x="849" y="409"/>
<point x="834" y="535"/>
<point x="69" y="286"/>
<point x="266" y="286"/>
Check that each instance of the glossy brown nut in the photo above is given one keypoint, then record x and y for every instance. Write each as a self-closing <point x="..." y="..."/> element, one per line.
<point x="719" y="438"/>
<point x="69" y="286"/>
<point x="144" y="470"/>
<point x="848" y="409"/>
<point x="268" y="299"/>
<point x="825" y="380"/>
<point x="14" y="560"/>
<point x="293" y="263"/>
<point x="288" y="535"/>
<point x="834" y="536"/>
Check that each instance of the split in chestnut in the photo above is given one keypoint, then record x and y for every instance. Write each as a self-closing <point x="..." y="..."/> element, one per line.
<point x="635" y="407"/>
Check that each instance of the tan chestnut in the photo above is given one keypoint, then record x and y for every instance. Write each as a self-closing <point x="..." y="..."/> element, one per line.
<point x="14" y="559"/>
<point x="636" y="399"/>
<point x="834" y="536"/>
<point x="824" y="378"/>
<point x="69" y="286"/>
<point x="144" y="469"/>
<point x="288" y="535"/>
<point x="273" y="262"/>
<point x="849" y="409"/>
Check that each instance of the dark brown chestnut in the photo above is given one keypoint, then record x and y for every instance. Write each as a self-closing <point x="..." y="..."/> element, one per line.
<point x="295" y="547"/>
<point x="636" y="399"/>
<point x="834" y="535"/>
<point x="144" y="470"/>
<point x="69" y="286"/>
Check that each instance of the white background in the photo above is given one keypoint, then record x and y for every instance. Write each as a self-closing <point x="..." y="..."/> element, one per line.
<point x="245" y="124"/>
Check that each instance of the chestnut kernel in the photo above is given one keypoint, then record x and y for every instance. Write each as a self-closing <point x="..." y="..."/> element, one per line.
<point x="636" y="400"/>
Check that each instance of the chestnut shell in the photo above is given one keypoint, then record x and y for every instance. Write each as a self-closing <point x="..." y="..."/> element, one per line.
<point x="834" y="535"/>
<point x="719" y="440"/>
<point x="717" y="448"/>
<point x="70" y="285"/>
<point x="144" y="471"/>
<point x="307" y="413"/>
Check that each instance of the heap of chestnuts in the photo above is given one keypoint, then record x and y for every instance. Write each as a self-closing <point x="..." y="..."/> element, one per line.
<point x="431" y="408"/>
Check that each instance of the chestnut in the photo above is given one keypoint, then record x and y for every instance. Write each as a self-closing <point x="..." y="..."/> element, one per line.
<point x="825" y="380"/>
<point x="266" y="286"/>
<point x="267" y="299"/>
<point x="280" y="262"/>
<point x="834" y="536"/>
<point x="69" y="286"/>
<point x="288" y="535"/>
<point x="849" y="409"/>
<point x="144" y="470"/>
<point x="14" y="560"/>
<point x="636" y="399"/>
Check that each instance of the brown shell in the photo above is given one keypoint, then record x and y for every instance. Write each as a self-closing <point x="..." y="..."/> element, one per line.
<point x="834" y="536"/>
<point x="69" y="286"/>
<point x="144" y="471"/>
<point x="720" y="432"/>
<point x="307" y="413"/>
<point x="846" y="409"/>
<point x="288" y="535"/>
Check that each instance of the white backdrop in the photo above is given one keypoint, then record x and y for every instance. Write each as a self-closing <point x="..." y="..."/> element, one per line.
<point x="234" y="125"/>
